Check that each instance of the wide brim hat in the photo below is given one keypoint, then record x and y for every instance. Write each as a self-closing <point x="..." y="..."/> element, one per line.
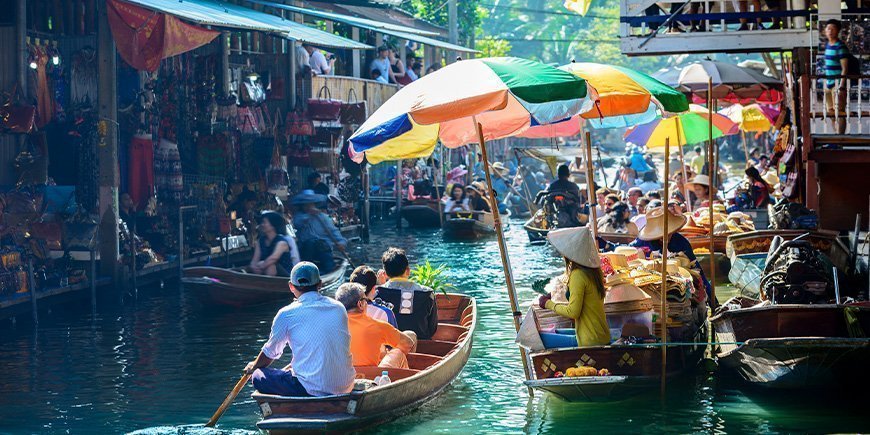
<point x="499" y="168"/>
<point x="308" y="197"/>
<point x="473" y="187"/>
<point x="630" y="253"/>
<point x="655" y="224"/>
<point x="701" y="180"/>
<point x="577" y="245"/>
<point x="456" y="172"/>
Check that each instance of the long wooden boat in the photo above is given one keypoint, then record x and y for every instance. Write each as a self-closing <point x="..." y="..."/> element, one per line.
<point x="433" y="367"/>
<point x="471" y="225"/>
<point x="794" y="346"/>
<point x="423" y="214"/>
<point x="720" y="243"/>
<point x="536" y="235"/>
<point x="237" y="288"/>
<point x="634" y="368"/>
<point x="748" y="252"/>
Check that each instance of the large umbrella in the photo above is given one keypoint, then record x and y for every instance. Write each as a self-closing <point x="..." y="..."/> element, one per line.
<point x="506" y="95"/>
<point x="728" y="80"/>
<point x="751" y="118"/>
<point x="492" y="97"/>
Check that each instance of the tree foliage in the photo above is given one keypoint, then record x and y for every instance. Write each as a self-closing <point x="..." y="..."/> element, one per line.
<point x="468" y="12"/>
<point x="493" y="47"/>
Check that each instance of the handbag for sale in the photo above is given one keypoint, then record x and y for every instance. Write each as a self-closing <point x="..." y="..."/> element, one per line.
<point x="324" y="109"/>
<point x="353" y="111"/>
<point x="16" y="117"/>
<point x="251" y="92"/>
<point x="298" y="122"/>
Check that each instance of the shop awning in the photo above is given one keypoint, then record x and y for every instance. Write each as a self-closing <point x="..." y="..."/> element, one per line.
<point x="228" y="15"/>
<point x="396" y="30"/>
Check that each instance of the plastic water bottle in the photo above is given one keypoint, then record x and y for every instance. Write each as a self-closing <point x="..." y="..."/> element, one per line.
<point x="383" y="379"/>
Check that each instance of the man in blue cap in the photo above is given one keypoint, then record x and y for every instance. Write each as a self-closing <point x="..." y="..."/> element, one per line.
<point x="315" y="329"/>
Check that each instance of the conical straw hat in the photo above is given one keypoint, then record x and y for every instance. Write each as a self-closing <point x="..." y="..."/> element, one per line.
<point x="655" y="224"/>
<point x="577" y="245"/>
<point x="701" y="180"/>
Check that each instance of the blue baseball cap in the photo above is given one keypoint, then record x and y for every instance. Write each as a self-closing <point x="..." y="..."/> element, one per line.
<point x="305" y="274"/>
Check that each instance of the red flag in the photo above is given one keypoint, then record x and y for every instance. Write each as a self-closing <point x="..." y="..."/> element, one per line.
<point x="144" y="37"/>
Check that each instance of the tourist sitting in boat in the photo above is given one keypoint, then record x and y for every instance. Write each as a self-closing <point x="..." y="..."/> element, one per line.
<point x="476" y="201"/>
<point x="315" y="329"/>
<point x="585" y="286"/>
<point x="649" y="183"/>
<point x="632" y="196"/>
<point x="700" y="186"/>
<point x="617" y="221"/>
<point x="562" y="183"/>
<point x="317" y="235"/>
<point x="368" y="336"/>
<point x="457" y="200"/>
<point x="759" y="190"/>
<point x="275" y="252"/>
<point x="421" y="189"/>
<point x="643" y="204"/>
<point x="317" y="185"/>
<point x="377" y="309"/>
<point x="414" y="304"/>
<point x="650" y="239"/>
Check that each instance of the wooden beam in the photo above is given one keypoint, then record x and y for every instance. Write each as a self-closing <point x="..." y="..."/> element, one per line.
<point x="356" y="55"/>
<point x="108" y="152"/>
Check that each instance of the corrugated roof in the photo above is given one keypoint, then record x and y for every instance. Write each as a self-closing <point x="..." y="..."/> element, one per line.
<point x="392" y="15"/>
<point x="223" y="14"/>
<point x="396" y="30"/>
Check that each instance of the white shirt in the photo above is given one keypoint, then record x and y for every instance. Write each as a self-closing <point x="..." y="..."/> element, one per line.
<point x="318" y="62"/>
<point x="640" y="221"/>
<point x="383" y="80"/>
<point x="382" y="65"/>
<point x="451" y="205"/>
<point x="302" y="58"/>
<point x="376" y="313"/>
<point x="315" y="328"/>
<point x="410" y="73"/>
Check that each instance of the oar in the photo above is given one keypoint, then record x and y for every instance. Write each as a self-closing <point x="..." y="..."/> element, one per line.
<point x="228" y="401"/>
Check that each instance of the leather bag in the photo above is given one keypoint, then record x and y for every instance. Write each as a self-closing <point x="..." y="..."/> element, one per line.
<point x="353" y="111"/>
<point x="16" y="117"/>
<point x="324" y="109"/>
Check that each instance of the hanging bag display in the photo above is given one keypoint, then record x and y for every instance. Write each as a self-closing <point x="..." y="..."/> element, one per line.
<point x="324" y="109"/>
<point x="353" y="111"/>
<point x="251" y="91"/>
<point x="299" y="122"/>
<point x="16" y="117"/>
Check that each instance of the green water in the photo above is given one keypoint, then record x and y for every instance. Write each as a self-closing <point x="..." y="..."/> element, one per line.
<point x="163" y="363"/>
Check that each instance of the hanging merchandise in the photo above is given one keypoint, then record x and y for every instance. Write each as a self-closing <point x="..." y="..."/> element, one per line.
<point x="140" y="170"/>
<point x="167" y="171"/>
<point x="212" y="153"/>
<point x="143" y="37"/>
<point x="353" y="112"/>
<point x="298" y="121"/>
<point x="16" y="117"/>
<point x="251" y="92"/>
<point x="87" y="133"/>
<point x="324" y="108"/>
<point x="44" y="102"/>
<point x="32" y="163"/>
<point x="83" y="77"/>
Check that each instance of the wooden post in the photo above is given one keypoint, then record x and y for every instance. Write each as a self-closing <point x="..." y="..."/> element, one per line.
<point x="31" y="284"/>
<point x="664" y="287"/>
<point x="366" y="209"/>
<point x="502" y="248"/>
<point x="356" y="68"/>
<point x="225" y="63"/>
<point x="745" y="147"/>
<point x="93" y="281"/>
<point x="590" y="188"/>
<point x="713" y="170"/>
<point x="108" y="151"/>
<point x="21" y="46"/>
<point x="293" y="69"/>
<point x="685" y="179"/>
<point x="435" y="183"/>
<point x="399" y="194"/>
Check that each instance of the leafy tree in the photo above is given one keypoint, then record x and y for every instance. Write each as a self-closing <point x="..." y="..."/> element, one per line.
<point x="493" y="47"/>
<point x="436" y="11"/>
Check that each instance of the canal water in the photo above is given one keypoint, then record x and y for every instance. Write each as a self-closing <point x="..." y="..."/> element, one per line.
<point x="163" y="363"/>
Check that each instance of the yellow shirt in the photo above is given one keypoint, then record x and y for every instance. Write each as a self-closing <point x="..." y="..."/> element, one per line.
<point x="586" y="307"/>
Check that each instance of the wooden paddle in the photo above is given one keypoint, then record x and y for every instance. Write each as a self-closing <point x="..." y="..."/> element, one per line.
<point x="228" y="401"/>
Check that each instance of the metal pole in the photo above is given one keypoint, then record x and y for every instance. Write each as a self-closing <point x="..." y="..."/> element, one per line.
<point x="93" y="279"/>
<point x="590" y="188"/>
<point x="133" y="260"/>
<point x="399" y="194"/>
<point x="366" y="211"/>
<point x="502" y="247"/>
<point x="836" y="287"/>
<point x="452" y="26"/>
<point x="685" y="176"/>
<point x="181" y="238"/>
<point x="713" y="170"/>
<point x="32" y="284"/>
<point x="663" y="290"/>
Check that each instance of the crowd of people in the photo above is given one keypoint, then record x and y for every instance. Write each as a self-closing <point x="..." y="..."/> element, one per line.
<point x="366" y="324"/>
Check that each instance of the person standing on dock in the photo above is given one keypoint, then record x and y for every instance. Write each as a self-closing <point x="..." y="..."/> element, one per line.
<point x="322" y="364"/>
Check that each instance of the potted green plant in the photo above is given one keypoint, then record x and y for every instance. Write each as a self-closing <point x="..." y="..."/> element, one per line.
<point x="431" y="276"/>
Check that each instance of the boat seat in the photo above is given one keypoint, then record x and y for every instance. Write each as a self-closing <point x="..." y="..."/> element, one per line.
<point x="435" y="347"/>
<point x="447" y="332"/>
<point x="422" y="361"/>
<point x="370" y="372"/>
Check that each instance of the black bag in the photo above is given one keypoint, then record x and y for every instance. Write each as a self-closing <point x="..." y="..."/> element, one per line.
<point x="422" y="314"/>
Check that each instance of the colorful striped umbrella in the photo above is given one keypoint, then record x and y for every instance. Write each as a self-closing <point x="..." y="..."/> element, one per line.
<point x="685" y="129"/>
<point x="750" y="118"/>
<point x="506" y="95"/>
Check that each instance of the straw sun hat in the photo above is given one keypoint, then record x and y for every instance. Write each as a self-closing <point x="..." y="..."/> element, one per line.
<point x="701" y="180"/>
<point x="499" y="168"/>
<point x="655" y="224"/>
<point x="577" y="245"/>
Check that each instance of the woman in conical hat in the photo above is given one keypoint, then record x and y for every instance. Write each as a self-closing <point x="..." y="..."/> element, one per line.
<point x="585" y="285"/>
<point x="650" y="238"/>
<point x="703" y="190"/>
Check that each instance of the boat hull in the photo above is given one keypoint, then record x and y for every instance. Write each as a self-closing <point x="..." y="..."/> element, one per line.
<point x="234" y="288"/>
<point x="440" y="359"/>
<point x="421" y="216"/>
<point x="465" y="228"/>
<point x="793" y="346"/>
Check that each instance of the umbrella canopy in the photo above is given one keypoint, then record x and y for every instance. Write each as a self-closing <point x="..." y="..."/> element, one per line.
<point x="507" y="95"/>
<point x="685" y="129"/>
<point x="750" y="118"/>
<point x="624" y="97"/>
<point x="729" y="80"/>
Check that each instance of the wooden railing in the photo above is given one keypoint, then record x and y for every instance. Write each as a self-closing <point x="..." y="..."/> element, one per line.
<point x="374" y="93"/>
<point x="855" y="114"/>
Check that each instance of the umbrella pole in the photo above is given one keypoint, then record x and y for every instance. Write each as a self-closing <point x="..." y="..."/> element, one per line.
<point x="399" y="194"/>
<point x="685" y="176"/>
<point x="590" y="188"/>
<point x="502" y="248"/>
<point x="664" y="286"/>
<point x="713" y="170"/>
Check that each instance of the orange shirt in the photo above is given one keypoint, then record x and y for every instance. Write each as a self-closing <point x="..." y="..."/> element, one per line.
<point x="367" y="335"/>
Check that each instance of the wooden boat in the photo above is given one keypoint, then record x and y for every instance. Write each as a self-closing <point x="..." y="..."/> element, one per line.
<point x="703" y="242"/>
<point x="422" y="214"/>
<point x="748" y="252"/>
<point x="720" y="262"/>
<point x="794" y="346"/>
<point x="536" y="235"/>
<point x="434" y="366"/>
<point x="617" y="238"/>
<point x="634" y="368"/>
<point x="471" y="225"/>
<point x="237" y="288"/>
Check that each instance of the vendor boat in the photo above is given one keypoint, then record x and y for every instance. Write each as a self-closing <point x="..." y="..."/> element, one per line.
<point x="536" y="235"/>
<point x="617" y="238"/>
<point x="433" y="367"/>
<point x="791" y="346"/>
<point x="238" y="288"/>
<point x="422" y="214"/>
<point x="471" y="225"/>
